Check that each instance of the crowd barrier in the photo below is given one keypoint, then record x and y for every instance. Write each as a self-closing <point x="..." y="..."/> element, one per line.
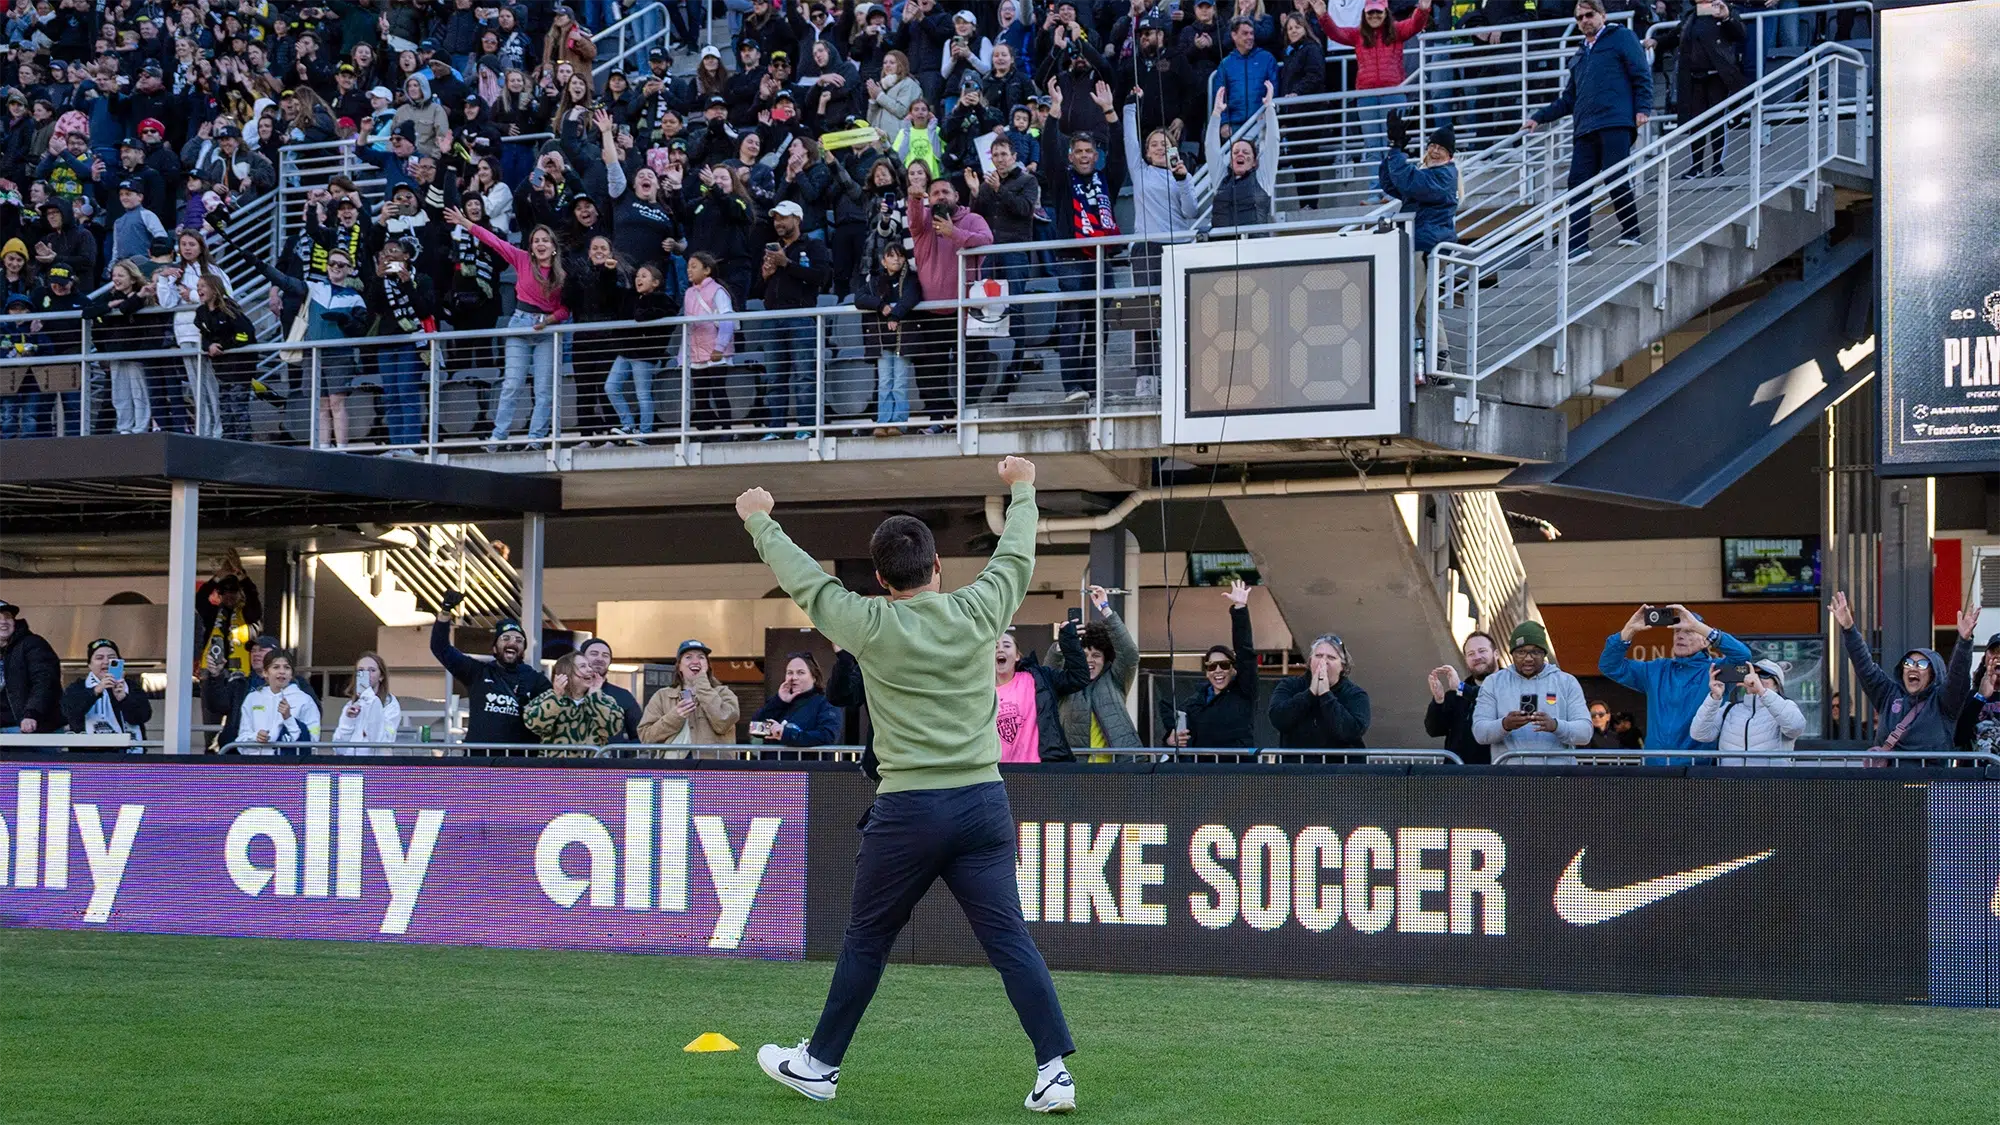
<point x="1799" y="883"/>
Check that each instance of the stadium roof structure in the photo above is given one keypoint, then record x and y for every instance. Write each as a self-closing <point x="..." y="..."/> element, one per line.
<point x="53" y="488"/>
<point x="55" y="485"/>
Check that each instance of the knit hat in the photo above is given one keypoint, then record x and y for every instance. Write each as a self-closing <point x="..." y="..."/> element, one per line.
<point x="14" y="246"/>
<point x="1445" y="139"/>
<point x="1528" y="633"/>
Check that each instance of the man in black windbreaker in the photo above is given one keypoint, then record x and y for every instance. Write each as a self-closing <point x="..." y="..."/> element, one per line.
<point x="1452" y="699"/>
<point x="496" y="690"/>
<point x="1223" y="712"/>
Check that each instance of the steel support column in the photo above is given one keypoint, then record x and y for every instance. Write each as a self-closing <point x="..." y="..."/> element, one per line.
<point x="183" y="576"/>
<point x="533" y="554"/>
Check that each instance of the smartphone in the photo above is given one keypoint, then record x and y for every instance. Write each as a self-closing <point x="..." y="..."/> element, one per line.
<point x="687" y="695"/>
<point x="1076" y="615"/>
<point x="1180" y="721"/>
<point x="117" y="669"/>
<point x="1733" y="673"/>
<point x="1527" y="704"/>
<point x="773" y="248"/>
<point x="1657" y="618"/>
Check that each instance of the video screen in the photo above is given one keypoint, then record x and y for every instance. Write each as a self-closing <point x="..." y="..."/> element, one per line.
<point x="1771" y="568"/>
<point x="1220" y="568"/>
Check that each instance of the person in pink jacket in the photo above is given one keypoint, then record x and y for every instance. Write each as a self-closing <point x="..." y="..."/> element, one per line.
<point x="538" y="303"/>
<point x="1378" y="60"/>
<point x="710" y="341"/>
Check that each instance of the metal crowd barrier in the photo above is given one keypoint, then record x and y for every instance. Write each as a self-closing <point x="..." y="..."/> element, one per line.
<point x="325" y="748"/>
<point x="1749" y="758"/>
<point x="62" y="740"/>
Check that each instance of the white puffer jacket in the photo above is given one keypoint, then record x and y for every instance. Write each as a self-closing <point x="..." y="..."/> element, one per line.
<point x="1763" y="722"/>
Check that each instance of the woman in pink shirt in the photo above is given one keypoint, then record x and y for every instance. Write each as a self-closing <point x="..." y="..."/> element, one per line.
<point x="538" y="303"/>
<point x="708" y="341"/>
<point x="1378" y="59"/>
<point x="1028" y="691"/>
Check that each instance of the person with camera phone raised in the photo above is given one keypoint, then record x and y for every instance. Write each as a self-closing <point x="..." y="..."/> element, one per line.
<point x="1674" y="686"/>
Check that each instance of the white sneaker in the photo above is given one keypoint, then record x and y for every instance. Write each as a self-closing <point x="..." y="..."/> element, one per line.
<point x="1053" y="1092"/>
<point x="792" y="1066"/>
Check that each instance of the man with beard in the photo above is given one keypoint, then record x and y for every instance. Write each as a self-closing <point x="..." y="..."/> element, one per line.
<point x="1452" y="699"/>
<point x="497" y="689"/>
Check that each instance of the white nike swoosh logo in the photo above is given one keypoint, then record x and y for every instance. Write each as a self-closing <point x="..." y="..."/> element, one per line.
<point x="1581" y="906"/>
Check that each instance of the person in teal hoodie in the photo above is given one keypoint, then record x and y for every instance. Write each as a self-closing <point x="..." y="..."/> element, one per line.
<point x="1676" y="687"/>
<point x="941" y="811"/>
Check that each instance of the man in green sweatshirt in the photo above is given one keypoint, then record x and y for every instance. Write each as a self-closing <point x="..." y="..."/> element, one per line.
<point x="926" y="662"/>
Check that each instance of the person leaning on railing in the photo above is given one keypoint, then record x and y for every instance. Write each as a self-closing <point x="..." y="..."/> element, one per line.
<point x="1222" y="713"/>
<point x="798" y="713"/>
<point x="371" y="713"/>
<point x="497" y="690"/>
<point x="117" y="326"/>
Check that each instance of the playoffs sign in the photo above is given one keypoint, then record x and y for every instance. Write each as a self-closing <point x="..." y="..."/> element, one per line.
<point x="1796" y="888"/>
<point x="530" y="858"/>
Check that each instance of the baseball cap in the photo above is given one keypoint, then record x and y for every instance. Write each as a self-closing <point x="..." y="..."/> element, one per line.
<point x="13" y="299"/>
<point x="152" y="125"/>
<point x="687" y="646"/>
<point x="130" y="142"/>
<point x="131" y="183"/>
<point x="383" y="93"/>
<point x="161" y="244"/>
<point x="346" y="123"/>
<point x="789" y="208"/>
<point x="780" y="55"/>
<point x="711" y="52"/>
<point x="508" y="625"/>
<point x="1375" y="5"/>
<point x="60" y="273"/>
<point x="1993" y="641"/>
<point x="17" y="96"/>
<point x="965" y="15"/>
<point x="656" y="55"/>
<point x="12" y="610"/>
<point x="228" y="131"/>
<point x="266" y="641"/>
<point x="408" y="131"/>
<point x="717" y="99"/>
<point x="403" y="187"/>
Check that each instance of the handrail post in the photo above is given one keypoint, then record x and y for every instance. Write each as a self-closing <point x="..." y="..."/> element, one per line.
<point x="84" y="411"/>
<point x="1756" y="227"/>
<point x="1813" y="113"/>
<point x="1661" y="211"/>
<point x="819" y="384"/>
<point x="313" y="403"/>
<point x="1098" y="298"/>
<point x="436" y="385"/>
<point x="687" y="392"/>
<point x="958" y="327"/>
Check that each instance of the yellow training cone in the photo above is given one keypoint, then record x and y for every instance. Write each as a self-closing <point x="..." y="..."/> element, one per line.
<point x="710" y="1041"/>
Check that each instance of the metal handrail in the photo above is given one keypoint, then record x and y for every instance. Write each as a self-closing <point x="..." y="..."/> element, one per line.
<point x="1587" y="756"/>
<point x="64" y="741"/>
<point x="285" y="749"/>
<point x="1458" y="268"/>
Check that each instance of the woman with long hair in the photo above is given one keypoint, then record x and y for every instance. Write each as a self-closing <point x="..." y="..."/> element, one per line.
<point x="1378" y="58"/>
<point x="119" y="328"/>
<point x="599" y="290"/>
<point x="489" y="183"/>
<point x="372" y="713"/>
<point x="711" y="78"/>
<point x="575" y="710"/>
<point x="797" y="714"/>
<point x="177" y="286"/>
<point x="225" y="330"/>
<point x="891" y="96"/>
<point x="538" y="303"/>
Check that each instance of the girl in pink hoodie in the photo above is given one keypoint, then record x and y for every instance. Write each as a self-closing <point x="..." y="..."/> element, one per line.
<point x="708" y="341"/>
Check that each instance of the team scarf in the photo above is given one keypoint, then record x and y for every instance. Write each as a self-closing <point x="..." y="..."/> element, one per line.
<point x="346" y="238"/>
<point x="1090" y="207"/>
<point x="471" y="261"/>
<point x="402" y="305"/>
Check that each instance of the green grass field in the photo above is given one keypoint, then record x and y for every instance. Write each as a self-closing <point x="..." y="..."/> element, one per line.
<point x="118" y="1028"/>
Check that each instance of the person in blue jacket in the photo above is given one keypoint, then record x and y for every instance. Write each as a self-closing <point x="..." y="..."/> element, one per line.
<point x="799" y="714"/>
<point x="1676" y="687"/>
<point x="1431" y="190"/>
<point x="1610" y="96"/>
<point x="1247" y="75"/>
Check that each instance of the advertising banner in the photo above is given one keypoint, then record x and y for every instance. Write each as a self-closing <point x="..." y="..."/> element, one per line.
<point x="1939" y="260"/>
<point x="641" y="861"/>
<point x="1965" y="893"/>
<point x="1785" y="888"/>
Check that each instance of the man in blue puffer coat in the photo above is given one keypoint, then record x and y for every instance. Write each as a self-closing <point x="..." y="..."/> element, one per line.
<point x="1610" y="95"/>
<point x="1675" y="688"/>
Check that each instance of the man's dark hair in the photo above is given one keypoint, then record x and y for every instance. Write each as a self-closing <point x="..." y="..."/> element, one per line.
<point x="228" y="584"/>
<point x="904" y="552"/>
<point x="1084" y="139"/>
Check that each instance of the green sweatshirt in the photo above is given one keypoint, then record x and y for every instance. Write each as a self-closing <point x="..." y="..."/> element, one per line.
<point x="927" y="661"/>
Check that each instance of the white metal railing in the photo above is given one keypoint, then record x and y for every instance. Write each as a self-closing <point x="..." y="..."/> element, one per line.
<point x="1801" y="118"/>
<point x="631" y="38"/>
<point x="1584" y="756"/>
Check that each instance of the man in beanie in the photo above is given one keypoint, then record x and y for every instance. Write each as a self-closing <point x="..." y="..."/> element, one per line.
<point x="1430" y="189"/>
<point x="1532" y="704"/>
<point x="496" y="690"/>
<point x="1675" y="687"/>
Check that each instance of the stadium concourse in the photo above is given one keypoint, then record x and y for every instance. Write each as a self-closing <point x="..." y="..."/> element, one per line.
<point x="1455" y="539"/>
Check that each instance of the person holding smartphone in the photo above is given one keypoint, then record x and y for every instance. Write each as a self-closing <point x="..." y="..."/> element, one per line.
<point x="105" y="700"/>
<point x="697" y="710"/>
<point x="1531" y="704"/>
<point x="371" y="713"/>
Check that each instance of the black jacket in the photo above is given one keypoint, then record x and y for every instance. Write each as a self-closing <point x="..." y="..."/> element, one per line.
<point x="135" y="711"/>
<point x="628" y="703"/>
<point x="1051" y="684"/>
<point x="799" y="284"/>
<point x="813" y="720"/>
<point x="1009" y="210"/>
<point x="34" y="681"/>
<point x="845" y="690"/>
<point x="1452" y="721"/>
<point x="1227" y="719"/>
<point x="495" y="694"/>
<point x="1337" y="720"/>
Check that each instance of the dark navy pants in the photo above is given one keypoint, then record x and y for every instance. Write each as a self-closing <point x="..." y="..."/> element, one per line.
<point x="908" y="841"/>
<point x="1593" y="153"/>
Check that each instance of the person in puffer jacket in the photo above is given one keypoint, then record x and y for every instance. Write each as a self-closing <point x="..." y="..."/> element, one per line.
<point x="1759" y="720"/>
<point x="1915" y="709"/>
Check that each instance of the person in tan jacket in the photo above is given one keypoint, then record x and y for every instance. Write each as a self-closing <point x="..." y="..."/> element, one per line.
<point x="701" y="712"/>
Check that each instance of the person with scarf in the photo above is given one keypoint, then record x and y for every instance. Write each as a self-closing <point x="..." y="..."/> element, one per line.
<point x="471" y="301"/>
<point x="401" y="297"/>
<point x="103" y="701"/>
<point x="335" y="309"/>
<point x="1082" y="211"/>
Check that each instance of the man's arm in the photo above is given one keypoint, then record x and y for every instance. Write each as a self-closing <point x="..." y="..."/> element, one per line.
<point x="461" y="666"/>
<point x="1958" y="680"/>
<point x="1486" y="728"/>
<point x="993" y="598"/>
<point x="1733" y="650"/>
<point x="1073" y="673"/>
<point x="1615" y="662"/>
<point x="838" y="612"/>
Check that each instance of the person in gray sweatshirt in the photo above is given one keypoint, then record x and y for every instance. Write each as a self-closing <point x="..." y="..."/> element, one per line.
<point x="1532" y="704"/>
